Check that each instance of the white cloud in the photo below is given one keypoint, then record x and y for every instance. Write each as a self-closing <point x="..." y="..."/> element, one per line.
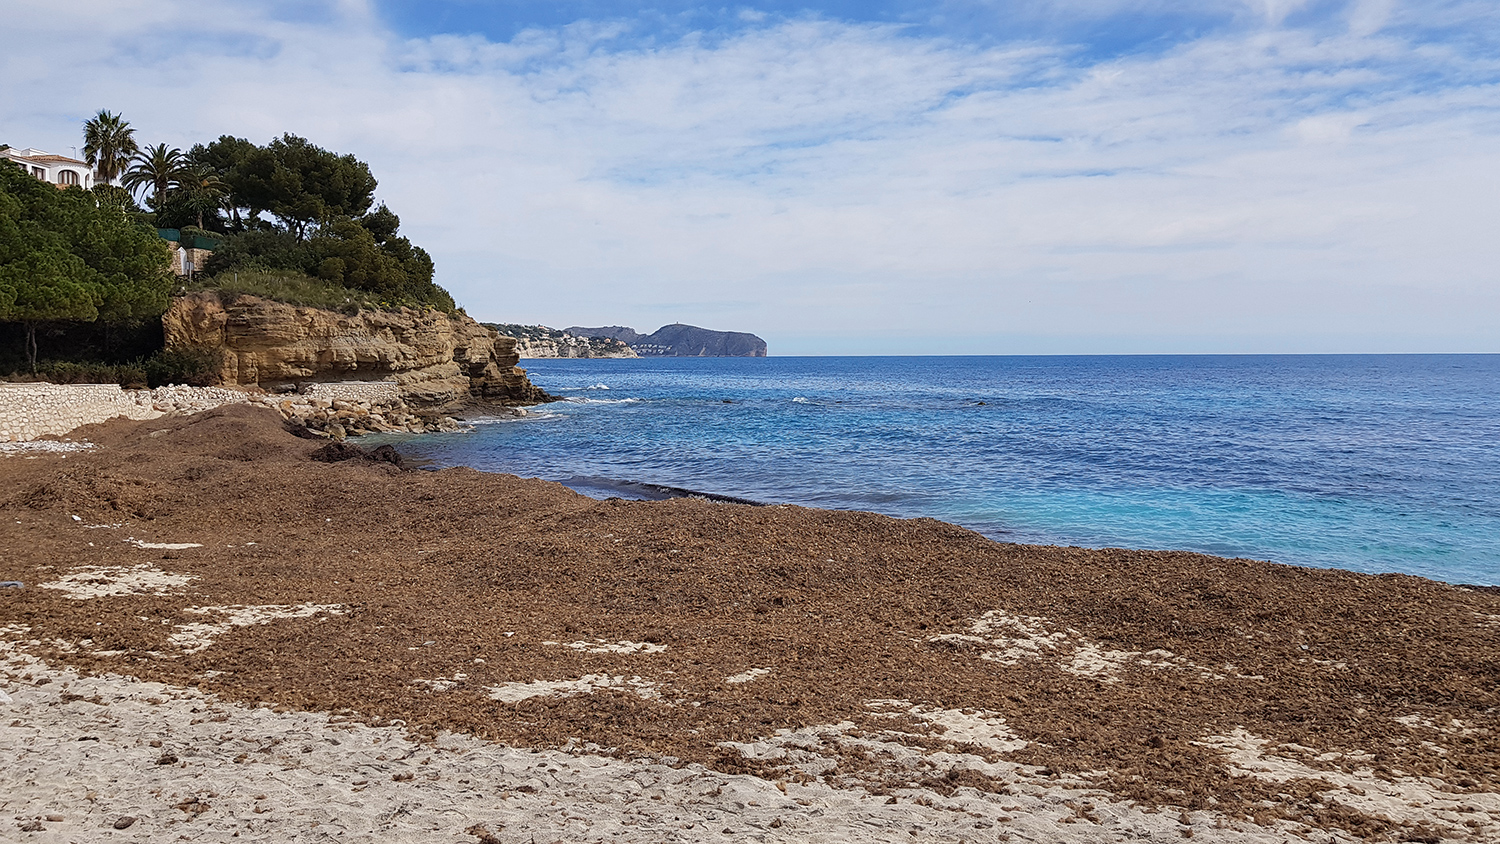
<point x="1264" y="189"/>
<point x="1367" y="17"/>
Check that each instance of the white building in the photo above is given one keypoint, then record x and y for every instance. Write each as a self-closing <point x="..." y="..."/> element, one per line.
<point x="60" y="170"/>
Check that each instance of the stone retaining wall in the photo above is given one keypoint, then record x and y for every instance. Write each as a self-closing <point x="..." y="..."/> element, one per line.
<point x="336" y="409"/>
<point x="28" y="411"/>
<point x="373" y="392"/>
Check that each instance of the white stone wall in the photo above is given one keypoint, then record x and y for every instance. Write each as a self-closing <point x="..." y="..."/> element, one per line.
<point x="31" y="410"/>
<point x="28" y="411"/>
<point x="370" y="392"/>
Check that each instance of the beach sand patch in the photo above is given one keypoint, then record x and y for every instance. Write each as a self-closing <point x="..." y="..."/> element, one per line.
<point x="880" y="759"/>
<point x="1011" y="639"/>
<point x="250" y="773"/>
<point x="587" y="684"/>
<point x="87" y="582"/>
<point x="34" y="448"/>
<point x="623" y="646"/>
<point x="961" y="726"/>
<point x="747" y="676"/>
<point x="442" y="684"/>
<point x="1420" y="801"/>
<point x="197" y="636"/>
<point x="163" y="546"/>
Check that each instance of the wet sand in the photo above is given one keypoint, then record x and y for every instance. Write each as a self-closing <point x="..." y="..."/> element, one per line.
<point x="765" y="673"/>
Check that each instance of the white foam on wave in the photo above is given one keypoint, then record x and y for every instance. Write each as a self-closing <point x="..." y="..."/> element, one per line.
<point x="597" y="387"/>
<point x="801" y="400"/>
<point x="612" y="401"/>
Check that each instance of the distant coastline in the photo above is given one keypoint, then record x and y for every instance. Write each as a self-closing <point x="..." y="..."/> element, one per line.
<point x="618" y="341"/>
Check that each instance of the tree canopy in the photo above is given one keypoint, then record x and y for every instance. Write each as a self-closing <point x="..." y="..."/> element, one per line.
<point x="321" y="224"/>
<point x="302" y="185"/>
<point x="159" y="168"/>
<point x="67" y="255"/>
<point x="108" y="145"/>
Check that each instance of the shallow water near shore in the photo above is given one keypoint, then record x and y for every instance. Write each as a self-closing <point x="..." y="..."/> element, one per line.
<point x="1373" y="463"/>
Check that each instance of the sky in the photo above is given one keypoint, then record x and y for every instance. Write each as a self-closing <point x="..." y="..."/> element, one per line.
<point x="882" y="177"/>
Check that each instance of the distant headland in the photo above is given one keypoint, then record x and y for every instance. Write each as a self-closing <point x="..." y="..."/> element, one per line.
<point x="617" y="341"/>
<point x="679" y="340"/>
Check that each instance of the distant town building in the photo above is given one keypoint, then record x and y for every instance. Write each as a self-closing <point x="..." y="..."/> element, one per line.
<point x="59" y="170"/>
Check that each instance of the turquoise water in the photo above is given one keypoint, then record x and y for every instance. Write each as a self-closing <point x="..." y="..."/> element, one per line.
<point x="1369" y="463"/>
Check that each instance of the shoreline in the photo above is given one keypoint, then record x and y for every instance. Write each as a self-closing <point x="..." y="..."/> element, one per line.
<point x="857" y="656"/>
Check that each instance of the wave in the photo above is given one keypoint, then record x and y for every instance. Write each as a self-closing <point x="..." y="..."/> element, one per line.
<point x="597" y="387"/>
<point x="801" y="400"/>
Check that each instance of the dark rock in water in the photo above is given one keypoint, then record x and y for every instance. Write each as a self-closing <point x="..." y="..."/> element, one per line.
<point x="679" y="340"/>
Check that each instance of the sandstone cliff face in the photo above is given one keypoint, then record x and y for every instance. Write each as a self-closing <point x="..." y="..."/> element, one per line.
<point x="440" y="362"/>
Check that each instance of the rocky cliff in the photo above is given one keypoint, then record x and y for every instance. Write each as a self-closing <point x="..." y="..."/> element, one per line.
<point x="680" y="340"/>
<point x="439" y="361"/>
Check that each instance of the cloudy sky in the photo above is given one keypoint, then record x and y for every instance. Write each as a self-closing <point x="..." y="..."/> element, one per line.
<point x="887" y="177"/>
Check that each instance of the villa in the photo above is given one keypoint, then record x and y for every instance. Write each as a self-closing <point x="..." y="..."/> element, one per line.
<point x="60" y="170"/>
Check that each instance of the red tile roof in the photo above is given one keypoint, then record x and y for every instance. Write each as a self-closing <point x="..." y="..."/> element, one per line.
<point x="53" y="159"/>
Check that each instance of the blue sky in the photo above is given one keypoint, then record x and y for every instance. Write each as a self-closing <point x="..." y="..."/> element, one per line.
<point x="886" y="177"/>
<point x="1100" y="29"/>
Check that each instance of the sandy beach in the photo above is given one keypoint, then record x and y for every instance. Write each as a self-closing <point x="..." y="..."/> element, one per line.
<point x="220" y="637"/>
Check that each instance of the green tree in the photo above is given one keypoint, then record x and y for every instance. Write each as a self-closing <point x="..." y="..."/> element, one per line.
<point x="66" y="256"/>
<point x="158" y="168"/>
<point x="226" y="157"/>
<point x="302" y="184"/>
<point x="108" y="145"/>
<point x="202" y="191"/>
<point x="382" y="223"/>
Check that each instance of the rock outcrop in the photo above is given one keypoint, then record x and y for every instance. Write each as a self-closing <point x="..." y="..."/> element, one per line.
<point x="680" y="340"/>
<point x="439" y="361"/>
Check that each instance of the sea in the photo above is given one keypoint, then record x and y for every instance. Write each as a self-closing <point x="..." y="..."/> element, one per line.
<point x="1372" y="463"/>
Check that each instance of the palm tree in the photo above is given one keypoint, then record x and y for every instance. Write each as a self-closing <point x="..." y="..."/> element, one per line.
<point x="203" y="189"/>
<point x="157" y="167"/>
<point x="108" y="145"/>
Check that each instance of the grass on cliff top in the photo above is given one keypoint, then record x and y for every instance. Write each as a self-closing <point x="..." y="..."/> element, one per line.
<point x="296" y="288"/>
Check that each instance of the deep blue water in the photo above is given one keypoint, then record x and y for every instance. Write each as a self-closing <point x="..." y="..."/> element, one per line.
<point x="1370" y="463"/>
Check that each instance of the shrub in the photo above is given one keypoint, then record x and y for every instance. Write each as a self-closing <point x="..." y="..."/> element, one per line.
<point x="292" y="287"/>
<point x="196" y="367"/>
<point x="128" y="375"/>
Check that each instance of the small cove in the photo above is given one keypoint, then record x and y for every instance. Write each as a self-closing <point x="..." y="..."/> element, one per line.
<point x="1373" y="463"/>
